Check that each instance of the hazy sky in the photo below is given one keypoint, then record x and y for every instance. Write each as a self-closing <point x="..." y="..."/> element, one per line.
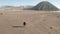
<point x="27" y="2"/>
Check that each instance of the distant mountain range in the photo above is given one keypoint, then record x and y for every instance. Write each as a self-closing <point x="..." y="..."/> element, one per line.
<point x="43" y="6"/>
<point x="15" y="7"/>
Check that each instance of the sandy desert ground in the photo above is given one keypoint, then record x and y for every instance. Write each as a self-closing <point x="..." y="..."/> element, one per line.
<point x="37" y="22"/>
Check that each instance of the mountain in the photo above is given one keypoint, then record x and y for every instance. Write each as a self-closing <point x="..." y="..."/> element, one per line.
<point x="45" y="6"/>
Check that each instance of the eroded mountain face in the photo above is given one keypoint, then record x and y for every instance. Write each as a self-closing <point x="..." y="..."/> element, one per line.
<point x="45" y="6"/>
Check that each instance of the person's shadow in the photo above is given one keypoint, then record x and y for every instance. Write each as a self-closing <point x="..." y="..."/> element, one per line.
<point x="23" y="25"/>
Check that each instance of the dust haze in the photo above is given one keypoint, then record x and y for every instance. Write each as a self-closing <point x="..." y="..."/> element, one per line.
<point x="39" y="19"/>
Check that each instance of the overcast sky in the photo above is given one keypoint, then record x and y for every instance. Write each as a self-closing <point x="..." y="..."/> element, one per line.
<point x="27" y="2"/>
